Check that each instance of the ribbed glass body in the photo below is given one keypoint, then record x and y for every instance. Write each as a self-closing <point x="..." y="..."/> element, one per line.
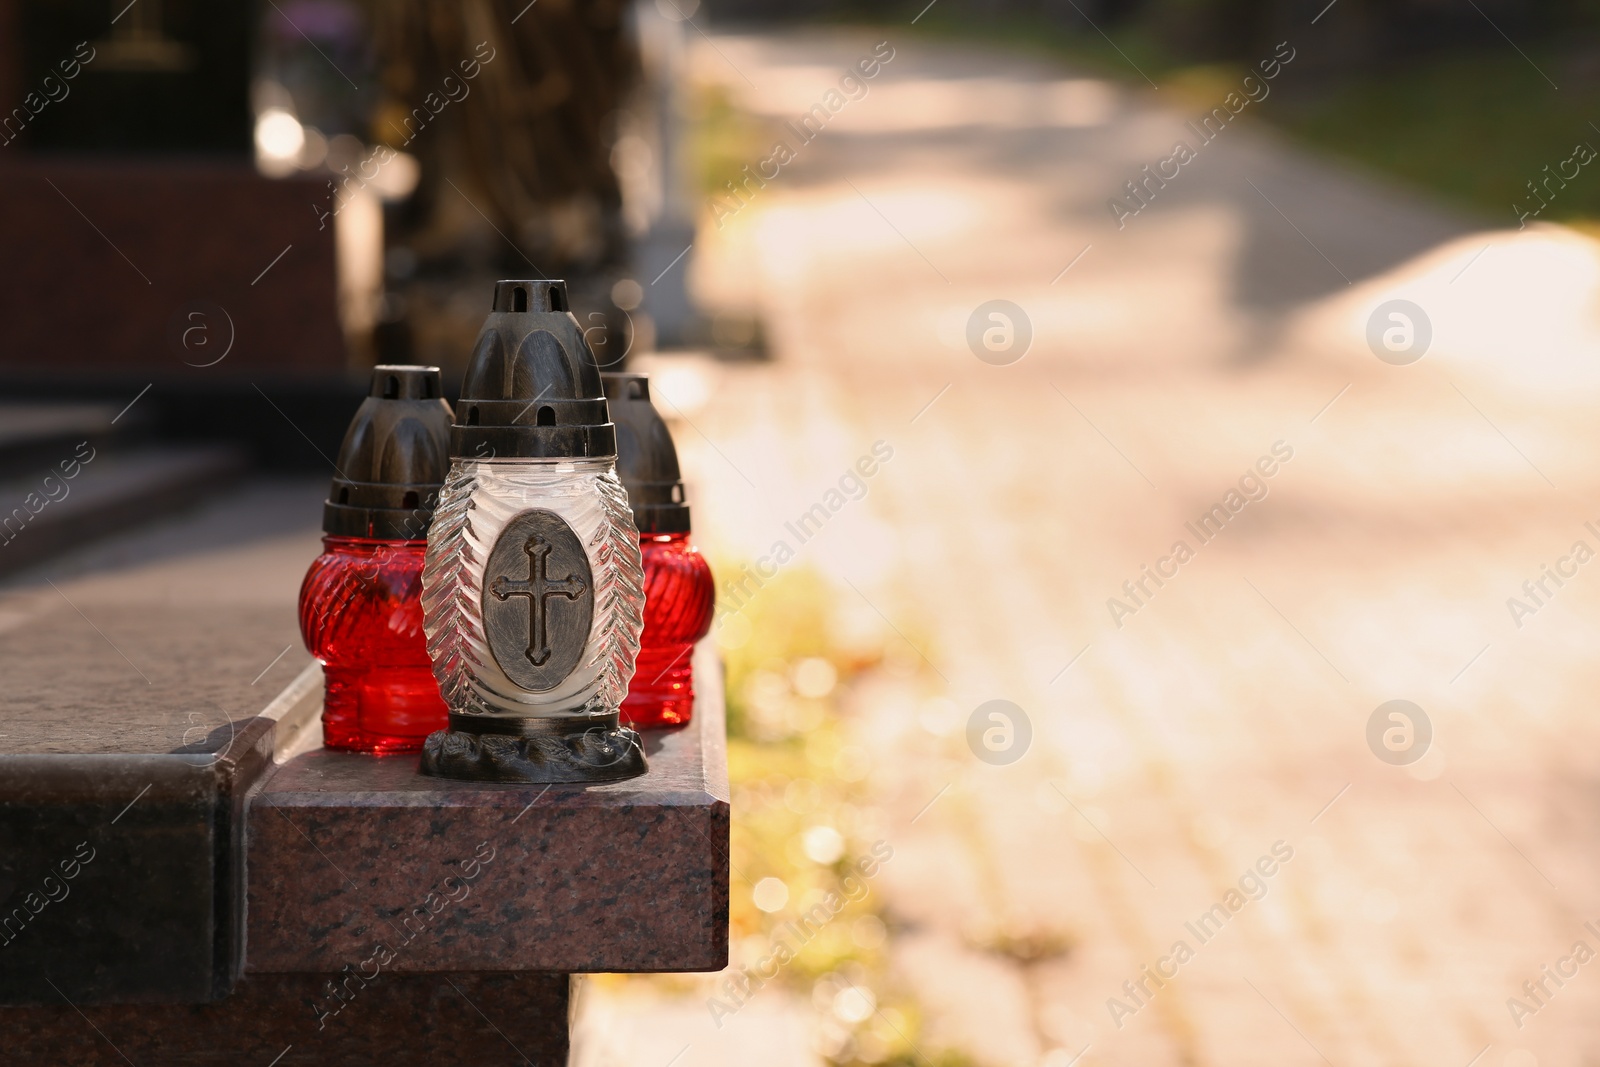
<point x="479" y="499"/>
<point x="679" y="596"/>
<point x="361" y="615"/>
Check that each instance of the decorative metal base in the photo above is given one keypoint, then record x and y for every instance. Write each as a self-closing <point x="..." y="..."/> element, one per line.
<point x="482" y="748"/>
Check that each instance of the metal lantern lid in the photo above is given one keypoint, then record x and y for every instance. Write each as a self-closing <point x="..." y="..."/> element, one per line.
<point x="394" y="458"/>
<point x="532" y="387"/>
<point x="647" y="460"/>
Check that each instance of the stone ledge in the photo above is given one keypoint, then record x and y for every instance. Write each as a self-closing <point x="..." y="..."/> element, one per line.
<point x="121" y="871"/>
<point x="396" y="1020"/>
<point x="344" y="850"/>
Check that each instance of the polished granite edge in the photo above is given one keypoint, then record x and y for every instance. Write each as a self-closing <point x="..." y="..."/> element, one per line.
<point x="351" y="852"/>
<point x="311" y="1020"/>
<point x="121" y="876"/>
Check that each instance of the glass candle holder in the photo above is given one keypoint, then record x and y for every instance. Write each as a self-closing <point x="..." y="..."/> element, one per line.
<point x="578" y="612"/>
<point x="361" y="615"/>
<point x="532" y="590"/>
<point x="678" y="600"/>
<point x="361" y="601"/>
<point x="679" y="592"/>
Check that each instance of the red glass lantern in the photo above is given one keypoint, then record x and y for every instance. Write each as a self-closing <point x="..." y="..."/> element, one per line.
<point x="679" y="594"/>
<point x="678" y="600"/>
<point x="361" y="601"/>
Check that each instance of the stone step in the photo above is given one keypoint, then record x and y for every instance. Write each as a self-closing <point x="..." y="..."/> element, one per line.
<point x="36" y="436"/>
<point x="94" y="489"/>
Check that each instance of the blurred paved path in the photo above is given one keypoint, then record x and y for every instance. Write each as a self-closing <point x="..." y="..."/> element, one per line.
<point x="1222" y="327"/>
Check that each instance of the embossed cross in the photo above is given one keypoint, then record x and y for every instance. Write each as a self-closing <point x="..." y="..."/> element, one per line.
<point x="538" y="588"/>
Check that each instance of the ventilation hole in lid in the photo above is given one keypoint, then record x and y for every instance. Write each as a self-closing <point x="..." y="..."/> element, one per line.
<point x="344" y="496"/>
<point x="409" y="500"/>
<point x="547" y="416"/>
<point x="427" y="388"/>
<point x="519" y="300"/>
<point x="558" y="298"/>
<point x="472" y="416"/>
<point x="391" y="388"/>
<point x="636" y="389"/>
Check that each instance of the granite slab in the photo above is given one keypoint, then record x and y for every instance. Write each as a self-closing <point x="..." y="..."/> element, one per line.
<point x="353" y="856"/>
<point x="147" y="684"/>
<point x="121" y="873"/>
<point x="289" y="1020"/>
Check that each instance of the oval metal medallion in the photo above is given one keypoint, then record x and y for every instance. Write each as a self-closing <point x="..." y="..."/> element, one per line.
<point x="538" y="600"/>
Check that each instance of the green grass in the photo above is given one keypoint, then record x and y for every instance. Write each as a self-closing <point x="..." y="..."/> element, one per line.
<point x="722" y="139"/>
<point x="795" y="766"/>
<point x="1129" y="49"/>
<point x="1470" y="127"/>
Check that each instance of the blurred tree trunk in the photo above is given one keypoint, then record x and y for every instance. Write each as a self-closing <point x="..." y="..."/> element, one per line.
<point x="532" y="142"/>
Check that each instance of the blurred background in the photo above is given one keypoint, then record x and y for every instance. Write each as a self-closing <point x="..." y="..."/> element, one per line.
<point x="1146" y="448"/>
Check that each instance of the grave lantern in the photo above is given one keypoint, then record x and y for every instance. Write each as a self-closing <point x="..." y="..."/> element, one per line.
<point x="679" y="592"/>
<point x="360" y="603"/>
<point x="532" y="591"/>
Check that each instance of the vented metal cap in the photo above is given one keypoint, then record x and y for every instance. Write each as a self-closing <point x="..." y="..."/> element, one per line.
<point x="532" y="387"/>
<point x="394" y="459"/>
<point x="647" y="460"/>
